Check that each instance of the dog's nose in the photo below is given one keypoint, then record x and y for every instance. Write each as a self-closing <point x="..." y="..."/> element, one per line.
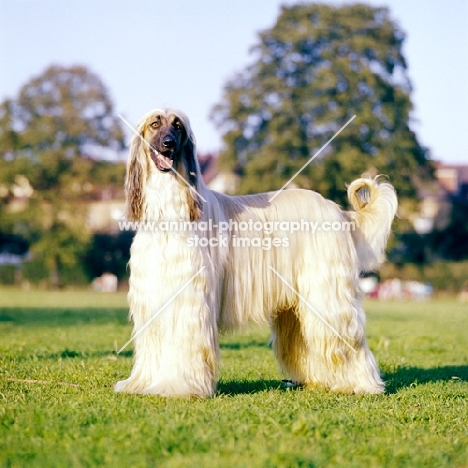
<point x="168" y="142"/>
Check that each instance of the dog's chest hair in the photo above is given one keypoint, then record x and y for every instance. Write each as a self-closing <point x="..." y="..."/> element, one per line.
<point x="158" y="256"/>
<point x="166" y="199"/>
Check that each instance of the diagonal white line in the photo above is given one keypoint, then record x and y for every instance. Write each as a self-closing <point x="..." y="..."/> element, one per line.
<point x="129" y="125"/>
<point x="161" y="309"/>
<point x="312" y="158"/>
<point x="311" y="308"/>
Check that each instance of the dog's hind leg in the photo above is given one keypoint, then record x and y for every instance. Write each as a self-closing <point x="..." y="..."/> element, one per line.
<point x="289" y="345"/>
<point x="320" y="341"/>
<point x="334" y="353"/>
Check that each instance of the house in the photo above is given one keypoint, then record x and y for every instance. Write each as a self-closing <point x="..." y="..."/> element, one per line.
<point x="453" y="178"/>
<point x="437" y="198"/>
<point x="105" y="209"/>
<point x="214" y="178"/>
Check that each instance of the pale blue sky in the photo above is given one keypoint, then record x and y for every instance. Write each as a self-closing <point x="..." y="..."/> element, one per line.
<point x="181" y="53"/>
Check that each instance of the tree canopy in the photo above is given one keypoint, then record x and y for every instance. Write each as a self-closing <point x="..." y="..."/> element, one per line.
<point x="50" y="135"/>
<point x="312" y="71"/>
<point x="59" y="118"/>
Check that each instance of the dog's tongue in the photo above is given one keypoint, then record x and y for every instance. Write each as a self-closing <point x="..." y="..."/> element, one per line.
<point x="165" y="163"/>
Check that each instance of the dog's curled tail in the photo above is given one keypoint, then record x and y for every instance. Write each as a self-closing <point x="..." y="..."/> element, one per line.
<point x="375" y="204"/>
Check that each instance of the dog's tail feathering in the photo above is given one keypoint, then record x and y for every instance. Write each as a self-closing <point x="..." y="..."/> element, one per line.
<point x="375" y="204"/>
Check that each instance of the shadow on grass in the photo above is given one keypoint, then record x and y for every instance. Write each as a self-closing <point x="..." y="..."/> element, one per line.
<point x="414" y="376"/>
<point x="250" y="344"/>
<point x="402" y="378"/>
<point x="49" y="317"/>
<point x="70" y="354"/>
<point x="236" y="387"/>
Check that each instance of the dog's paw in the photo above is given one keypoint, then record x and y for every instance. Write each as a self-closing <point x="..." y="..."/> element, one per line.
<point x="291" y="384"/>
<point x="376" y="389"/>
<point x="178" y="390"/>
<point x="123" y="386"/>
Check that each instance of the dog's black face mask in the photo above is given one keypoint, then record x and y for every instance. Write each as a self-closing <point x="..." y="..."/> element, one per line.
<point x="167" y="141"/>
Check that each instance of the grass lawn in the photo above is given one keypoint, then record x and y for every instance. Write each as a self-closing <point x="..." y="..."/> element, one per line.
<point x="58" y="363"/>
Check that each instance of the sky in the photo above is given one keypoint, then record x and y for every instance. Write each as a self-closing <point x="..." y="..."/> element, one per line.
<point x="165" y="53"/>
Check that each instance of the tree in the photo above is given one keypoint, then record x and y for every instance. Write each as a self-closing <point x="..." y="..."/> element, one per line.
<point x="317" y="67"/>
<point x="452" y="241"/>
<point x="109" y="253"/>
<point x="59" y="122"/>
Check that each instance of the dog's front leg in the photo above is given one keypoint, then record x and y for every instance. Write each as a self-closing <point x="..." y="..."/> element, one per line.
<point x="176" y="354"/>
<point x="175" y="328"/>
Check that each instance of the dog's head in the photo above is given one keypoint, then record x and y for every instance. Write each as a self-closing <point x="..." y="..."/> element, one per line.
<point x="163" y="142"/>
<point x="167" y="132"/>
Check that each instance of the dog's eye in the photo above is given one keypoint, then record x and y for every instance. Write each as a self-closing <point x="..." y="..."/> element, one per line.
<point x="155" y="124"/>
<point x="177" y="125"/>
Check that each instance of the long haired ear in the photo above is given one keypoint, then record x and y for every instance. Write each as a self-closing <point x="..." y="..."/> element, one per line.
<point x="193" y="176"/>
<point x="135" y="181"/>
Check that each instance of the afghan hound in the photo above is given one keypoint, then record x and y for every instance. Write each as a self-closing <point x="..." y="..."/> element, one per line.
<point x="203" y="262"/>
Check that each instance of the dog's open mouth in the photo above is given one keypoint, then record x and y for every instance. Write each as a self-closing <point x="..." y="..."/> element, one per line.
<point x="163" y="161"/>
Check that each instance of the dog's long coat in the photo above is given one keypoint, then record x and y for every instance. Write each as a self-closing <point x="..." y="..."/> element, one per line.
<point x="305" y="286"/>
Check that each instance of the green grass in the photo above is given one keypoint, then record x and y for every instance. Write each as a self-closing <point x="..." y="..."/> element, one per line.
<point x="58" y="363"/>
